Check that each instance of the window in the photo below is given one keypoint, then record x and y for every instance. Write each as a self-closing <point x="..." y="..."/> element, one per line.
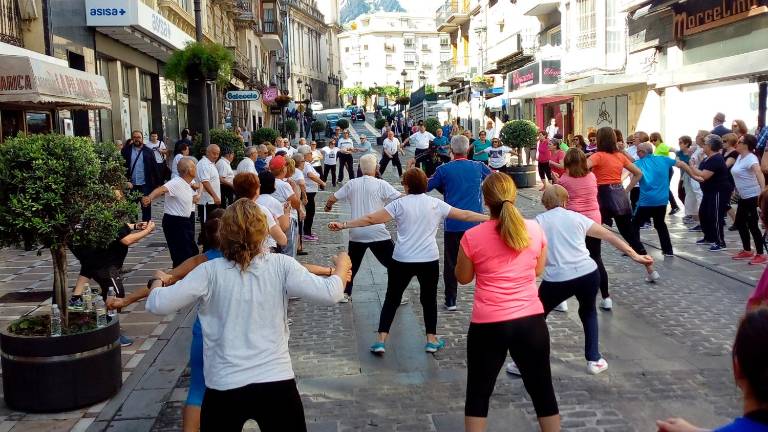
<point x="408" y="84"/>
<point x="126" y="88"/>
<point x="587" y="32"/>
<point x="408" y="42"/>
<point x="445" y="41"/>
<point x="614" y="29"/>
<point x="554" y="37"/>
<point x="186" y="5"/>
<point x="346" y="49"/>
<point x="410" y="60"/>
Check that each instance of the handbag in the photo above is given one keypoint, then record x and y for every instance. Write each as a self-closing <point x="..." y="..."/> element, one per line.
<point x="613" y="201"/>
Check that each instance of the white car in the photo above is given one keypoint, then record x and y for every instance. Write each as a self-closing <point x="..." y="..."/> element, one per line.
<point x="316" y="106"/>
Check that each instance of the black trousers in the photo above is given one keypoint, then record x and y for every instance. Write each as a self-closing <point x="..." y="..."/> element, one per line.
<point x="527" y="341"/>
<point x="425" y="162"/>
<point x="329" y="169"/>
<point x="545" y="171"/>
<point x="146" y="212"/>
<point x="399" y="276"/>
<point x="309" y="218"/>
<point x="712" y="210"/>
<point x="202" y="216"/>
<point x="179" y="233"/>
<point x="657" y="213"/>
<point x="594" y="246"/>
<point x="275" y="406"/>
<point x="227" y="196"/>
<point x="382" y="250"/>
<point x="746" y="221"/>
<point x="451" y="242"/>
<point x="345" y="162"/>
<point x="624" y="225"/>
<point x="106" y="277"/>
<point x="395" y="161"/>
<point x="634" y="197"/>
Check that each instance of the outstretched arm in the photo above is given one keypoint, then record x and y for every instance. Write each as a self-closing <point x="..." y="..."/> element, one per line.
<point x="598" y="231"/>
<point x="375" y="218"/>
<point x="466" y="215"/>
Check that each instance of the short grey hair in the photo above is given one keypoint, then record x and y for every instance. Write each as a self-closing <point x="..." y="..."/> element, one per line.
<point x="645" y="147"/>
<point x="305" y="149"/>
<point x="459" y="145"/>
<point x="715" y="142"/>
<point x="185" y="164"/>
<point x="250" y="150"/>
<point x="298" y="157"/>
<point x="368" y="164"/>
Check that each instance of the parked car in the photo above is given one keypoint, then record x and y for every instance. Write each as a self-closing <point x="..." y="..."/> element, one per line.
<point x="359" y="115"/>
<point x="316" y="106"/>
<point x="330" y="122"/>
<point x="349" y="110"/>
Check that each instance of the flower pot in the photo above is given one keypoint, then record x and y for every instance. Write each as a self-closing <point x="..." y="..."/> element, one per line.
<point x="524" y="176"/>
<point x="54" y="374"/>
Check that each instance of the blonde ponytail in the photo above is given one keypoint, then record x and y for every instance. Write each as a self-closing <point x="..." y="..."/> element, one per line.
<point x="499" y="193"/>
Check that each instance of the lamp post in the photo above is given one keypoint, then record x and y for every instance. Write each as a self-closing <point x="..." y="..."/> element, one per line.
<point x="404" y="74"/>
<point x="204" y="96"/>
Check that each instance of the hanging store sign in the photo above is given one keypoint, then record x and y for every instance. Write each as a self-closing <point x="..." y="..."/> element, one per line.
<point x="702" y="15"/>
<point x="270" y="94"/>
<point x="243" y="95"/>
<point x="542" y="72"/>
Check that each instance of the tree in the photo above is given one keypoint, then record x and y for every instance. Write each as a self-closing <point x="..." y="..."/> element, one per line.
<point x="226" y="139"/>
<point x="519" y="134"/>
<point x="318" y="126"/>
<point x="264" y="135"/>
<point x="58" y="191"/>
<point x="429" y="89"/>
<point x="380" y="123"/>
<point x="432" y="125"/>
<point x="291" y="127"/>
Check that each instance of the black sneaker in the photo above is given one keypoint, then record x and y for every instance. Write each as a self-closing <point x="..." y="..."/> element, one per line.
<point x="733" y="228"/>
<point x="450" y="305"/>
<point x="674" y="210"/>
<point x="75" y="303"/>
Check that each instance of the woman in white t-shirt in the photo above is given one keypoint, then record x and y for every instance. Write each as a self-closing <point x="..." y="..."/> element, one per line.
<point x="497" y="155"/>
<point x="418" y="217"/>
<point x="569" y="270"/>
<point x="312" y="182"/>
<point x="181" y="150"/>
<point x="317" y="158"/>
<point x="749" y="182"/>
<point x="330" y="154"/>
<point x="246" y="185"/>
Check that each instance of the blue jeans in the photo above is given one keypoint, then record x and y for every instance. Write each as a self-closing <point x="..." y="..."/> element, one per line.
<point x="585" y="289"/>
<point x="196" y="378"/>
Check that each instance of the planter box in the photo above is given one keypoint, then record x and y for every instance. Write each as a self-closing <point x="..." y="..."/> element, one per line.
<point x="524" y="176"/>
<point x="55" y="374"/>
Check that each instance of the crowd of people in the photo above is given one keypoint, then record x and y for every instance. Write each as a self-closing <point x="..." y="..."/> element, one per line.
<point x="246" y="275"/>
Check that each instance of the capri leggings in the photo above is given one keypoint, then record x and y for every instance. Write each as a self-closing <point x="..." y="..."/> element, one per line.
<point x="527" y="341"/>
<point x="545" y="172"/>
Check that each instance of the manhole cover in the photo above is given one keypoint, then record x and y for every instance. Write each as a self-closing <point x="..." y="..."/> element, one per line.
<point x="25" y="297"/>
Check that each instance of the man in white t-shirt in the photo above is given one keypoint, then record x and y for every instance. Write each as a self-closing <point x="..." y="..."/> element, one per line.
<point x="390" y="152"/>
<point x="346" y="148"/>
<point x="420" y="141"/>
<point x="284" y="193"/>
<point x="226" y="176"/>
<point x="178" y="222"/>
<point x="159" y="150"/>
<point x="366" y="195"/>
<point x="312" y="182"/>
<point x="248" y="164"/>
<point x="208" y="178"/>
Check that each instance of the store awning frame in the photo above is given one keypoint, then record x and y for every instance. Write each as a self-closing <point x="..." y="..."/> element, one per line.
<point x="531" y="92"/>
<point x="48" y="85"/>
<point x="594" y="84"/>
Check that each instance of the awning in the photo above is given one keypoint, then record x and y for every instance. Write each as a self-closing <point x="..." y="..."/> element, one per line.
<point x="26" y="80"/>
<point x="534" y="91"/>
<point x="501" y="101"/>
<point x="594" y="84"/>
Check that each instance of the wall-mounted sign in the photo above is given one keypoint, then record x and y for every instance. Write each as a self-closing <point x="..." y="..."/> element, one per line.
<point x="243" y="95"/>
<point x="275" y="110"/>
<point x="133" y="13"/>
<point x="543" y="72"/>
<point x="270" y="93"/>
<point x="702" y="15"/>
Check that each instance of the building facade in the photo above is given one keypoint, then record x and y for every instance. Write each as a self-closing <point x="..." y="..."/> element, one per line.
<point x="392" y="48"/>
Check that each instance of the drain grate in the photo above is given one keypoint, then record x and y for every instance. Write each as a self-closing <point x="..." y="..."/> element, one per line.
<point x="26" y="297"/>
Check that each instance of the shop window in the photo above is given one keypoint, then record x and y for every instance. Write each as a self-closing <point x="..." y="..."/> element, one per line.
<point x="12" y="123"/>
<point x="104" y="117"/>
<point x="38" y="122"/>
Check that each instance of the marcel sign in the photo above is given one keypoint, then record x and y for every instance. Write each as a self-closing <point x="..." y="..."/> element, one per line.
<point x="697" y="16"/>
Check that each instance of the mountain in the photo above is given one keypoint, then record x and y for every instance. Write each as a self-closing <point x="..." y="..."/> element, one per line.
<point x="351" y="9"/>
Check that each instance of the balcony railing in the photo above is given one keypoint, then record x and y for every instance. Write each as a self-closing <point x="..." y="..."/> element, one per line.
<point x="10" y="23"/>
<point x="308" y="7"/>
<point x="242" y="66"/>
<point x="451" y="14"/>
<point x="445" y="71"/>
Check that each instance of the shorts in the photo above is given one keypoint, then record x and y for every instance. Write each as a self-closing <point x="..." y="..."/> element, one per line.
<point x="196" y="376"/>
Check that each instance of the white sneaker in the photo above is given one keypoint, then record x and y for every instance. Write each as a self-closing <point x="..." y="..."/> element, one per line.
<point x="512" y="369"/>
<point x="404" y="301"/>
<point x="346" y="299"/>
<point x="653" y="277"/>
<point x="562" y="307"/>
<point x="597" y="367"/>
<point x="606" y="303"/>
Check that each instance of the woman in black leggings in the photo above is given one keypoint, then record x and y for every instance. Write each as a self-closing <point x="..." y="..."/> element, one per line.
<point x="749" y="181"/>
<point x="418" y="216"/>
<point x="504" y="255"/>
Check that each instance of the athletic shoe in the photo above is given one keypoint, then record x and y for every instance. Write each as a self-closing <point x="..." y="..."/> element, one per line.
<point x="596" y="367"/>
<point x="606" y="304"/>
<point x="404" y="300"/>
<point x="450" y="305"/>
<point x="75" y="303"/>
<point x="301" y="253"/>
<point x="314" y="237"/>
<point x="646" y="226"/>
<point x="743" y="255"/>
<point x="703" y="241"/>
<point x="688" y="219"/>
<point x="668" y="254"/>
<point x="434" y="347"/>
<point x="758" y="259"/>
<point x="716" y="247"/>
<point x="378" y="348"/>
<point x="290" y="322"/>
<point x="309" y="238"/>
<point x="697" y="228"/>
<point x="125" y="341"/>
<point x="346" y="299"/>
<point x="512" y="369"/>
<point x="562" y="307"/>
<point x="674" y="210"/>
<point x="652" y="277"/>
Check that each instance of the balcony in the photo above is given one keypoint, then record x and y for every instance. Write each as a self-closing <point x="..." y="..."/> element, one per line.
<point x="307" y="7"/>
<point x="242" y="66"/>
<point x="10" y="23"/>
<point x="227" y="5"/>
<point x="538" y="7"/>
<point x="244" y="17"/>
<point x="271" y="25"/>
<point x="452" y="14"/>
<point x="450" y="74"/>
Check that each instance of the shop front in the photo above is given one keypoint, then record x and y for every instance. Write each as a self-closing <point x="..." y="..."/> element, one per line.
<point x="33" y="91"/>
<point x="530" y="85"/>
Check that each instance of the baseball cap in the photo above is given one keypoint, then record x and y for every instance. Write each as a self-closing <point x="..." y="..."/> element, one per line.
<point x="277" y="162"/>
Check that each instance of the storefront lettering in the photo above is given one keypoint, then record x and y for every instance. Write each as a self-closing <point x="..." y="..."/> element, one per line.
<point x="521" y="79"/>
<point x="695" y="17"/>
<point x="15" y="82"/>
<point x="161" y="26"/>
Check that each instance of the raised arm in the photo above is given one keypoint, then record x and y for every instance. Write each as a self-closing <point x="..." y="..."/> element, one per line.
<point x="157" y="193"/>
<point x="466" y="215"/>
<point x="138" y="235"/>
<point x="323" y="290"/>
<point x="375" y="218"/>
<point x="165" y="300"/>
<point x="598" y="231"/>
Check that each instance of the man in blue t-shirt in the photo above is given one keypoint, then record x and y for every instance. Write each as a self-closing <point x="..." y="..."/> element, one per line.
<point x="654" y="194"/>
<point x="459" y="181"/>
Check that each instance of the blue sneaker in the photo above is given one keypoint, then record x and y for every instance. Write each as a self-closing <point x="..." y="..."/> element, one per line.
<point x="716" y="247"/>
<point x="434" y="347"/>
<point x="703" y="241"/>
<point x="378" y="348"/>
<point x="697" y="228"/>
<point x="125" y="341"/>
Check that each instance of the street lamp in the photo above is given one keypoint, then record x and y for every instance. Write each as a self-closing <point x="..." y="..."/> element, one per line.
<point x="298" y="84"/>
<point x="204" y="91"/>
<point x="404" y="74"/>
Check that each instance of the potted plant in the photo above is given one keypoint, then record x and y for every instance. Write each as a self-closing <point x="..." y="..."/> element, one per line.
<point x="59" y="191"/>
<point x="264" y="135"/>
<point x="282" y="101"/>
<point x="432" y="124"/>
<point x="225" y="139"/>
<point x="318" y="126"/>
<point x="481" y="82"/>
<point x="403" y="101"/>
<point x="200" y="61"/>
<point x="521" y="135"/>
<point x="380" y="123"/>
<point x="343" y="124"/>
<point x="290" y="127"/>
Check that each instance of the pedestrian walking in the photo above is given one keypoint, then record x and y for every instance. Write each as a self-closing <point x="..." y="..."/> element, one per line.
<point x="607" y="163"/>
<point x="208" y="178"/>
<point x="179" y="214"/>
<point x="504" y="255"/>
<point x="141" y="169"/>
<point x="418" y="216"/>
<point x="160" y="151"/>
<point x="391" y="150"/>
<point x="459" y="181"/>
<point x="345" y="161"/>
<point x="330" y="153"/>
<point x="749" y="182"/>
<point x="247" y="366"/>
<point x="366" y="195"/>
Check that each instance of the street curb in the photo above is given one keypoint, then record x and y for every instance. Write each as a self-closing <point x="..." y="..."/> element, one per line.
<point x="110" y="410"/>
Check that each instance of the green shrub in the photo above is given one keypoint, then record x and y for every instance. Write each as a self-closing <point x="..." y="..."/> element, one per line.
<point x="200" y="60"/>
<point x="386" y="112"/>
<point x="264" y="135"/>
<point x="380" y="123"/>
<point x="432" y="125"/>
<point x="291" y="127"/>
<point x="343" y="124"/>
<point x="519" y="134"/>
<point x="225" y="139"/>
